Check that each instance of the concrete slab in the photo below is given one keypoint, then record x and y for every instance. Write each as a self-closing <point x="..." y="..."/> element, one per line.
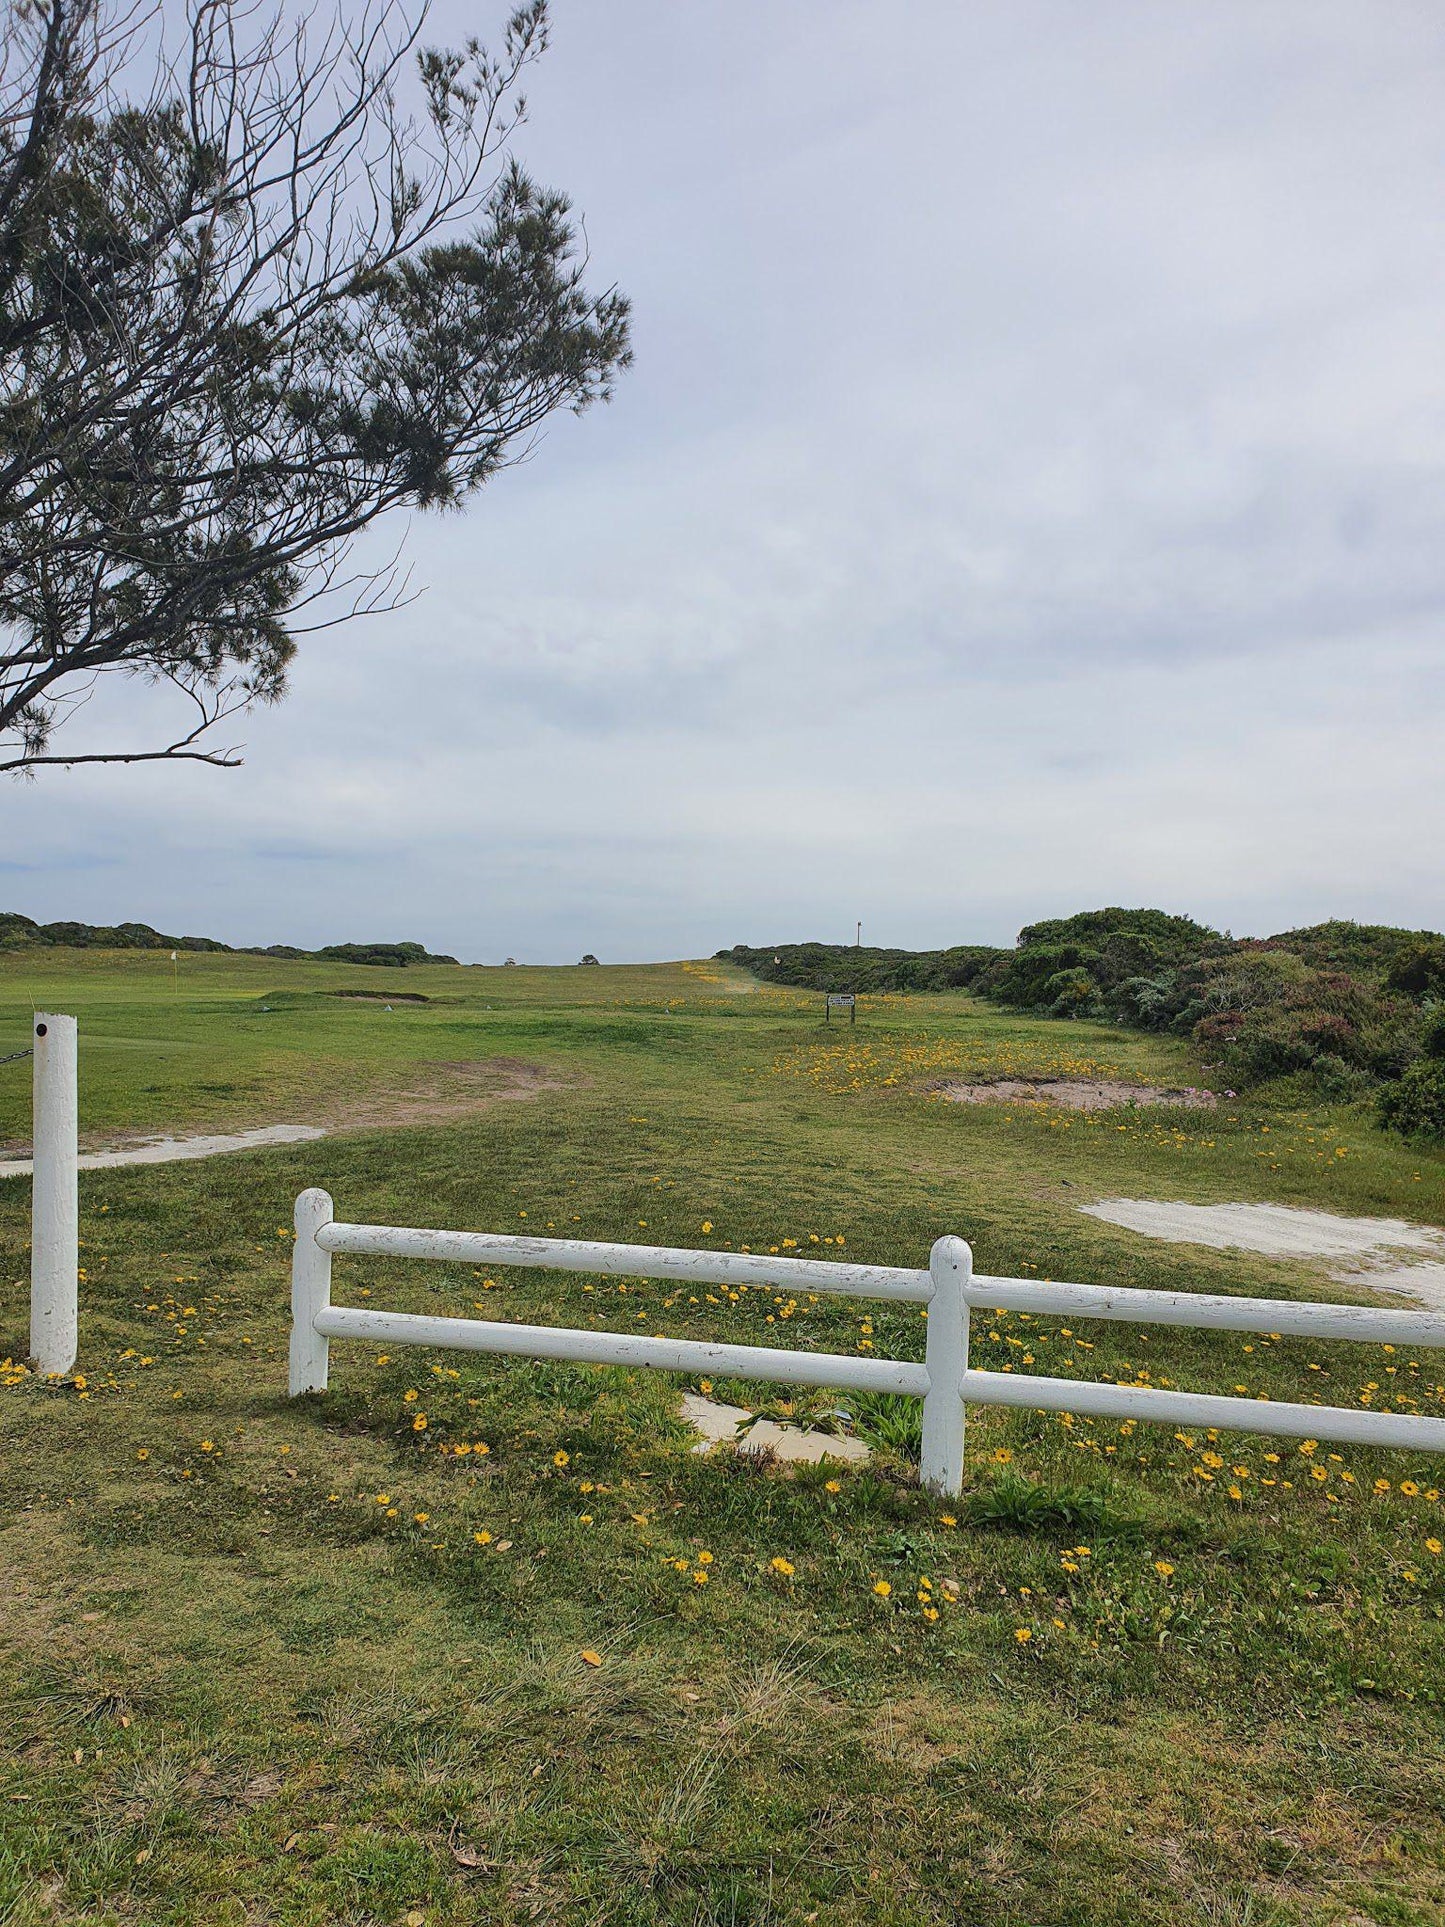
<point x="719" y="1424"/>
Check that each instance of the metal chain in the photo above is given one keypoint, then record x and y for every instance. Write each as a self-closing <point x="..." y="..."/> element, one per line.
<point x="15" y="1057"/>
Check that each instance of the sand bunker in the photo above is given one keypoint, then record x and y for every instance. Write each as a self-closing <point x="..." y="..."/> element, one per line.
<point x="1076" y="1093"/>
<point x="1364" y="1251"/>
<point x="719" y="1425"/>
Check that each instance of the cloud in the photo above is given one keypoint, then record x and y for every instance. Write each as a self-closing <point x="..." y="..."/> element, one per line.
<point x="1028" y="495"/>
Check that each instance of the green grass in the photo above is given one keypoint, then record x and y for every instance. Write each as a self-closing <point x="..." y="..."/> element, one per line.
<point x="263" y="1664"/>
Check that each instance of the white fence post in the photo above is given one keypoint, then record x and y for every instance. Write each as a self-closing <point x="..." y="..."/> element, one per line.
<point x="54" y="1197"/>
<point x="940" y="1466"/>
<point x="310" y="1294"/>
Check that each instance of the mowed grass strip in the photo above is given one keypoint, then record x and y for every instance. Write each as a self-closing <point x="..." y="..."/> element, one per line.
<point x="479" y="1641"/>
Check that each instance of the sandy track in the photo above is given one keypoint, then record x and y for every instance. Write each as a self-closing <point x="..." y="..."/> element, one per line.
<point x="1357" y="1251"/>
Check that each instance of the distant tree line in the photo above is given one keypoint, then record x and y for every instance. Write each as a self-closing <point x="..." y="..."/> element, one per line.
<point x="17" y="932"/>
<point x="1345" y="1009"/>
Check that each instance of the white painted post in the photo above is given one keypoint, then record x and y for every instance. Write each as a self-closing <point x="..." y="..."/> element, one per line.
<point x="310" y="1294"/>
<point x="940" y="1469"/>
<point x="54" y="1197"/>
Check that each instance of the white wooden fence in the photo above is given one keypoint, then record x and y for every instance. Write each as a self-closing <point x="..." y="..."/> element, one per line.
<point x="944" y="1381"/>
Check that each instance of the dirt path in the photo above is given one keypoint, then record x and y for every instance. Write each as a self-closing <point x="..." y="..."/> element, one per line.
<point x="431" y="1093"/>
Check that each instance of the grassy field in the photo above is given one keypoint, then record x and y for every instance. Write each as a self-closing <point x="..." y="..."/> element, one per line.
<point x="486" y="1642"/>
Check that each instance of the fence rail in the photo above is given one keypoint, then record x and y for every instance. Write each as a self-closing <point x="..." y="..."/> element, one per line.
<point x="944" y="1381"/>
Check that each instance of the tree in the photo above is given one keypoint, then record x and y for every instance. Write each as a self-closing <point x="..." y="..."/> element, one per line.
<point x="260" y="283"/>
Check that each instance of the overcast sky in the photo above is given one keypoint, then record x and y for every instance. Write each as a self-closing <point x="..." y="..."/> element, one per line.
<point x="1028" y="496"/>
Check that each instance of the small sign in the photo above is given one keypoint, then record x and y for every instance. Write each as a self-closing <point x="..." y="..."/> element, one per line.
<point x="841" y="1000"/>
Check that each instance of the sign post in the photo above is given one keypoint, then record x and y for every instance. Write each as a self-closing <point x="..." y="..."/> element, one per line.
<point x="840" y="1000"/>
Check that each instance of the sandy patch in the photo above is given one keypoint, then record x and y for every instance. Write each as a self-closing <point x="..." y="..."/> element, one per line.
<point x="1075" y="1093"/>
<point x="430" y="1093"/>
<point x="719" y="1424"/>
<point x="1358" y="1251"/>
<point x="172" y="1150"/>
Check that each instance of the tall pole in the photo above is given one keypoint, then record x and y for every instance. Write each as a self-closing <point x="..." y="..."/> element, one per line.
<point x="54" y="1197"/>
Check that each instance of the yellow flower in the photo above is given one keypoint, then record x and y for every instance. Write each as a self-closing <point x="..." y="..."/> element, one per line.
<point x="704" y="1558"/>
<point x="584" y="1518"/>
<point x="409" y="1398"/>
<point x="1002" y="1455"/>
<point x="707" y="1224"/>
<point x="482" y="1538"/>
<point x="421" y="1517"/>
<point x="1319" y="1472"/>
<point x="947" y="1519"/>
<point x="1163" y="1568"/>
<point x="1382" y="1485"/>
<point x="930" y="1612"/>
<point x="418" y="1424"/>
<point x="561" y="1458"/>
<point x="832" y="1485"/>
<point x="883" y="1589"/>
<point x="1432" y="1545"/>
<point x="1023" y="1635"/>
<point x="782" y="1566"/>
<point x="1407" y="1486"/>
<point x="383" y="1498"/>
<point x="700" y="1578"/>
<point x="144" y="1452"/>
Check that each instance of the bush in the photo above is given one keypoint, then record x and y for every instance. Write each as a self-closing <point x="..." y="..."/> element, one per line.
<point x="1419" y="969"/>
<point x="1071" y="993"/>
<point x="1415" y="1105"/>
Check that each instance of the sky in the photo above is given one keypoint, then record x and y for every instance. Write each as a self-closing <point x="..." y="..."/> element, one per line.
<point x="1027" y="496"/>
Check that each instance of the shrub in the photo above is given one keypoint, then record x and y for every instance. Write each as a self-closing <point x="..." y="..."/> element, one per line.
<point x="1071" y="993"/>
<point x="1415" y="1104"/>
<point x="1419" y="969"/>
